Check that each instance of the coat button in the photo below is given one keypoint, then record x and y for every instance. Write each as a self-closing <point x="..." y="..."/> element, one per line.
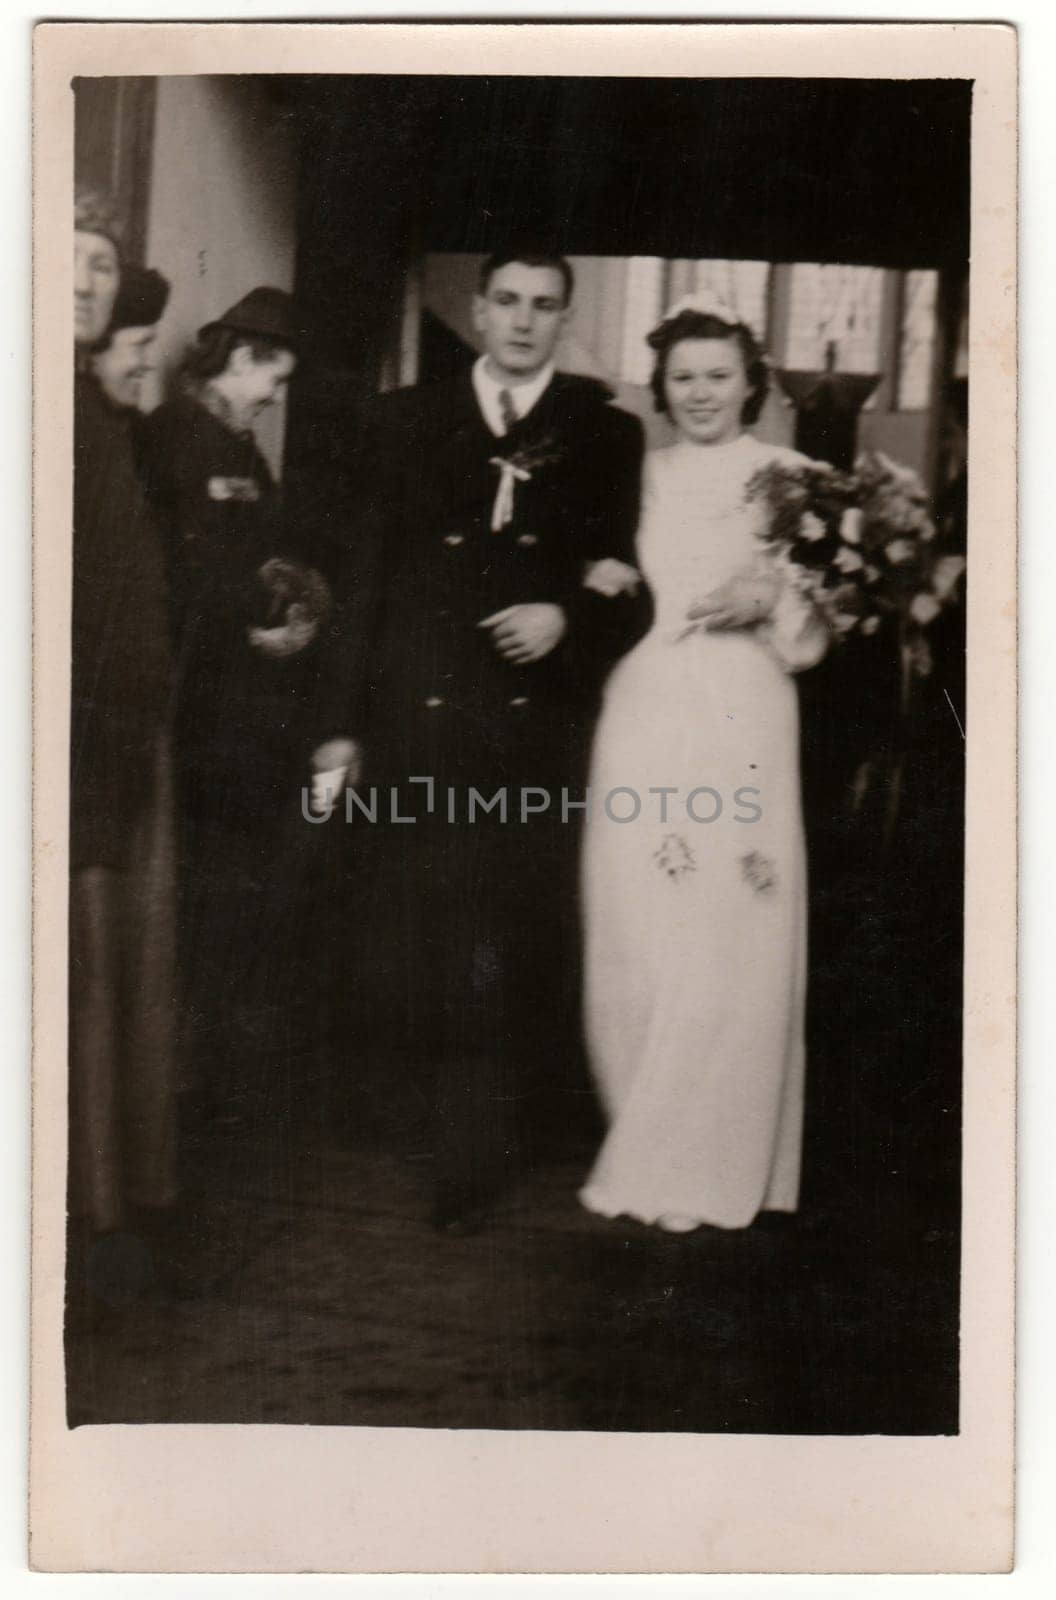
<point x="453" y="539"/>
<point x="433" y="701"/>
<point x="527" y="540"/>
<point x="519" y="700"/>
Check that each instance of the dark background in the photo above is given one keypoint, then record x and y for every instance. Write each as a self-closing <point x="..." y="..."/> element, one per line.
<point x="856" y="171"/>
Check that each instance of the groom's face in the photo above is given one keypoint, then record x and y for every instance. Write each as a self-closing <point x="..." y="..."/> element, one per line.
<point x="520" y="316"/>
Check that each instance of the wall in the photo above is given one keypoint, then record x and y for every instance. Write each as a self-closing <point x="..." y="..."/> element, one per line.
<point x="222" y="212"/>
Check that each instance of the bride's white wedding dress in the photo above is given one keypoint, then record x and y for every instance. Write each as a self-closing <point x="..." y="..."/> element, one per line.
<point x="695" y="930"/>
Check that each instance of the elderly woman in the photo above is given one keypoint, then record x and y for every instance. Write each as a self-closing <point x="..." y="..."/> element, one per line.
<point x="126" y="356"/>
<point x="122" y="1079"/>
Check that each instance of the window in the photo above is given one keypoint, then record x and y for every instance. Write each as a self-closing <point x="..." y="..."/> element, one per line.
<point x="743" y="285"/>
<point x="916" y="345"/>
<point x="838" y="307"/>
<point x="643" y="308"/>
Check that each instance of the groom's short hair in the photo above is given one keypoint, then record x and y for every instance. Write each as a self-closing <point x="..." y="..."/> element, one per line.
<point x="528" y="258"/>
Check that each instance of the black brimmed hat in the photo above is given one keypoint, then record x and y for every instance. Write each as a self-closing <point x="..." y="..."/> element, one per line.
<point x="262" y="314"/>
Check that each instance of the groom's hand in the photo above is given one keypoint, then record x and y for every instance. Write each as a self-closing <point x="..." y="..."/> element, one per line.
<point x="528" y="632"/>
<point x="335" y="764"/>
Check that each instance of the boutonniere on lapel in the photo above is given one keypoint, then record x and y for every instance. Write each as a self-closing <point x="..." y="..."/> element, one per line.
<point x="220" y="488"/>
<point x="519" y="468"/>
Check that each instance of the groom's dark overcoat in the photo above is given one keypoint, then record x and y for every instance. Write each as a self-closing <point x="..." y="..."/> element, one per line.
<point x="433" y="682"/>
<point x="485" y="908"/>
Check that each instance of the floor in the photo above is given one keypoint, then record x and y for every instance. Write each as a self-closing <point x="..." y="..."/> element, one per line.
<point x="309" y="1287"/>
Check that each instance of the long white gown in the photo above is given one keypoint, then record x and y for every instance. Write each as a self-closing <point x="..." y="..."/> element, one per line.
<point x="695" y="930"/>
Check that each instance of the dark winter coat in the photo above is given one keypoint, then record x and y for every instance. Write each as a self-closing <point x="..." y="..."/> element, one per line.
<point x="433" y="689"/>
<point x="120" y="638"/>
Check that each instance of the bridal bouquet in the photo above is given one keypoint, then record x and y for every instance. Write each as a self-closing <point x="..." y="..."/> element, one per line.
<point x="861" y="545"/>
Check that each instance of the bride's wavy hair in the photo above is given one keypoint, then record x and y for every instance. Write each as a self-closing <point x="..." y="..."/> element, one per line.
<point x="701" y="325"/>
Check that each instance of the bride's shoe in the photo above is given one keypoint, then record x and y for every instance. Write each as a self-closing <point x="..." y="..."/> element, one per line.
<point x="674" y="1222"/>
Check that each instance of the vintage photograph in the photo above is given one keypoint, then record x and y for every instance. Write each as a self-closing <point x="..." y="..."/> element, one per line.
<point x="524" y="757"/>
<point x="517" y="752"/>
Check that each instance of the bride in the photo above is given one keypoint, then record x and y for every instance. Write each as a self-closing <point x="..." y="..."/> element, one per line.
<point x="695" y="904"/>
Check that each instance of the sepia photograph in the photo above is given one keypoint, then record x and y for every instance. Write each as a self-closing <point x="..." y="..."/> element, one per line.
<point x="517" y="618"/>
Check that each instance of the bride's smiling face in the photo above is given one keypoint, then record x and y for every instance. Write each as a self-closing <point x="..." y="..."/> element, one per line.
<point x="706" y="387"/>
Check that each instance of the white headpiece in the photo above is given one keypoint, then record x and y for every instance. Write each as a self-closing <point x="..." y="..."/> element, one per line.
<point x="705" y="304"/>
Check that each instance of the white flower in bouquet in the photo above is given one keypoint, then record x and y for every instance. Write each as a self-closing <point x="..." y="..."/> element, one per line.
<point x="904" y="478"/>
<point x="945" y="575"/>
<point x="907" y="516"/>
<point x="869" y="625"/>
<point x="851" y="525"/>
<point x="848" y="560"/>
<point x="811" y="527"/>
<point x="899" y="550"/>
<point x="924" y="608"/>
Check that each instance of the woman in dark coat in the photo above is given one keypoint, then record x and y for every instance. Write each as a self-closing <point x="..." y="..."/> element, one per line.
<point x="253" y="701"/>
<point x="122" y="1057"/>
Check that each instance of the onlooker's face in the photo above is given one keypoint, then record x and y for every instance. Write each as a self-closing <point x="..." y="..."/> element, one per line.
<point x="96" y="276"/>
<point x="252" y="383"/>
<point x="706" y="387"/>
<point x="125" y="362"/>
<point x="520" y="317"/>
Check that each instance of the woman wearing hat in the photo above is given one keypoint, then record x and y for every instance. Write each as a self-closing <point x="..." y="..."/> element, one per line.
<point x="122" y="1059"/>
<point x="250" y="630"/>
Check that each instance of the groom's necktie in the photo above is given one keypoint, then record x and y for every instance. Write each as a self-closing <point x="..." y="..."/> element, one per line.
<point x="507" y="409"/>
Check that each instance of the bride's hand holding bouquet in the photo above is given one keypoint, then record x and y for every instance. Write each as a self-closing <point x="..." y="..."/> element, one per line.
<point x="743" y="601"/>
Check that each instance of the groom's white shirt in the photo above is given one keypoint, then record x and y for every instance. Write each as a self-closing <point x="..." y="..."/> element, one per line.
<point x="523" y="395"/>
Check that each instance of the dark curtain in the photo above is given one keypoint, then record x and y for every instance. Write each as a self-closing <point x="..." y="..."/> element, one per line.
<point x="114" y="142"/>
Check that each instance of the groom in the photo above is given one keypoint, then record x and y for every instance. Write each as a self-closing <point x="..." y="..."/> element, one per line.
<point x="482" y="660"/>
